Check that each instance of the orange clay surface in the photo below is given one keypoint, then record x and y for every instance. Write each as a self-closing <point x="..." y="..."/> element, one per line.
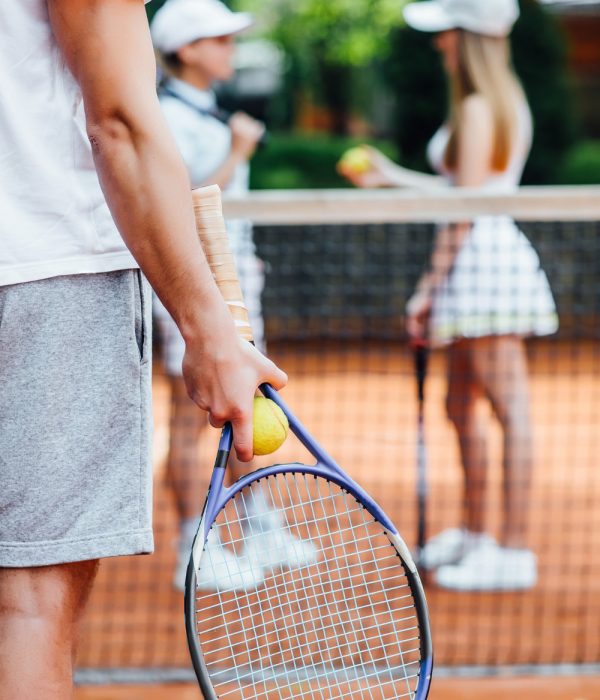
<point x="550" y="688"/>
<point x="360" y="402"/>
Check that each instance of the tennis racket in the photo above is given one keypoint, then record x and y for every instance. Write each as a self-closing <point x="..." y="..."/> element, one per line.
<point x="299" y="585"/>
<point x="421" y="356"/>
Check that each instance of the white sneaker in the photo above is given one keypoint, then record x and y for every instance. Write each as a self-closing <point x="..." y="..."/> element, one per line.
<point x="489" y="567"/>
<point x="187" y="531"/>
<point x="269" y="542"/>
<point x="450" y="546"/>
<point x="220" y="569"/>
<point x="276" y="547"/>
<point x="183" y="557"/>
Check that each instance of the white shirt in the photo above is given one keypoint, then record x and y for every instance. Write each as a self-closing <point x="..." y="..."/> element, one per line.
<point x="204" y="142"/>
<point x="54" y="219"/>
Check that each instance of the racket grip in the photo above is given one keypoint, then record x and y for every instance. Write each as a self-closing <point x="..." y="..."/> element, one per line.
<point x="210" y="225"/>
<point x="421" y="356"/>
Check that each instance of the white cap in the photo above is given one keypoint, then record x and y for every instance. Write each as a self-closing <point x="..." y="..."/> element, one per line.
<point x="490" y="17"/>
<point x="179" y="22"/>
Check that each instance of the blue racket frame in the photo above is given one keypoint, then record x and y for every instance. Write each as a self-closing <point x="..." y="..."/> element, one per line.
<point x="325" y="467"/>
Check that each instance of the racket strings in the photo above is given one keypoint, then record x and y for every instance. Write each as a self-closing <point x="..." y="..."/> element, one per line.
<point x="307" y="609"/>
<point x="327" y="637"/>
<point x="342" y="625"/>
<point x="354" y="545"/>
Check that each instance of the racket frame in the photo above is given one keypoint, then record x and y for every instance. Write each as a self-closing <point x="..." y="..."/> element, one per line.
<point x="325" y="467"/>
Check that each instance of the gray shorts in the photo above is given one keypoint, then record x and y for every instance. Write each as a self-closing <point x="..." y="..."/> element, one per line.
<point x="75" y="419"/>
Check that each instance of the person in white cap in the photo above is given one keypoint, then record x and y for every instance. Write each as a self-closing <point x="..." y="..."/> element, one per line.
<point x="195" y="41"/>
<point x="484" y="290"/>
<point x="92" y="188"/>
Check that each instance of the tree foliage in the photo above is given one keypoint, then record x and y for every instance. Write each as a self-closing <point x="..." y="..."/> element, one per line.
<point x="337" y="32"/>
<point x="338" y="49"/>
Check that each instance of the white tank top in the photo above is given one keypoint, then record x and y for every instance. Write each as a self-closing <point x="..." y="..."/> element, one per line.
<point x="504" y="181"/>
<point x="53" y="216"/>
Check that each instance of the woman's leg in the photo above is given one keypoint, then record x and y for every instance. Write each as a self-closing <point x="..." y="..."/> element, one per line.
<point x="461" y="405"/>
<point x="500" y="364"/>
<point x="272" y="545"/>
<point x="189" y="478"/>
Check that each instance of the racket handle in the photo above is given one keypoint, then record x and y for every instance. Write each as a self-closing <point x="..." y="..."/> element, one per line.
<point x="421" y="355"/>
<point x="210" y="225"/>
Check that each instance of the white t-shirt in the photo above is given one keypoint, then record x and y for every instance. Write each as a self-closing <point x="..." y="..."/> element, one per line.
<point x="53" y="216"/>
<point x="204" y="142"/>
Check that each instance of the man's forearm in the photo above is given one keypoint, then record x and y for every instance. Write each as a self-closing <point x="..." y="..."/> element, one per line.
<point x="106" y="44"/>
<point x="148" y="189"/>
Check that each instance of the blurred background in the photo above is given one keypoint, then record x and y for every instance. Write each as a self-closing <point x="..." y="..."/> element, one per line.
<point x="322" y="77"/>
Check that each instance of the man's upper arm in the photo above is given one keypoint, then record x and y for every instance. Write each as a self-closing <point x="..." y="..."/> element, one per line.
<point x="107" y="46"/>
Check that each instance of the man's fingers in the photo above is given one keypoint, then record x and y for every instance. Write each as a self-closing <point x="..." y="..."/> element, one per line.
<point x="276" y="378"/>
<point x="242" y="438"/>
<point x="215" y="422"/>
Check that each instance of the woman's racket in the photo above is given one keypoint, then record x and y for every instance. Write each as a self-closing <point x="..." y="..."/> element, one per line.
<point x="421" y="355"/>
<point x="299" y="585"/>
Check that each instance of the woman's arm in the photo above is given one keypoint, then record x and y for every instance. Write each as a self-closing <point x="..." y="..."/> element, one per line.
<point x="399" y="176"/>
<point x="246" y="133"/>
<point x="106" y="44"/>
<point x="385" y="173"/>
<point x="473" y="167"/>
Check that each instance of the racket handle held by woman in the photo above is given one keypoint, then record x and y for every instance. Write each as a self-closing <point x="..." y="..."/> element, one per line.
<point x="421" y="357"/>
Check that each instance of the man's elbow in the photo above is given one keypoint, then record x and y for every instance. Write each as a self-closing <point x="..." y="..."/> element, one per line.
<point x="112" y="129"/>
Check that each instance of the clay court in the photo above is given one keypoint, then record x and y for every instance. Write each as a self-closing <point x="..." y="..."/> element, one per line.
<point x="552" y="688"/>
<point x="135" y="620"/>
<point x="334" y="304"/>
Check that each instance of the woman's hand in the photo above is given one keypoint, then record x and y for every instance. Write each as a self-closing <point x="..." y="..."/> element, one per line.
<point x="379" y="173"/>
<point x="418" y="311"/>
<point x="246" y="133"/>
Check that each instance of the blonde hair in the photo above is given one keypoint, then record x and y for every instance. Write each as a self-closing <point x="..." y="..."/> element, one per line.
<point x="484" y="68"/>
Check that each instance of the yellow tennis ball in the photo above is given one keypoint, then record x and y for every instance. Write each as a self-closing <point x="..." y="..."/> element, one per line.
<point x="356" y="160"/>
<point x="270" y="426"/>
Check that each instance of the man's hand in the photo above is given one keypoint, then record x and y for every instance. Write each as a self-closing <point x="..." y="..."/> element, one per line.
<point x="225" y="385"/>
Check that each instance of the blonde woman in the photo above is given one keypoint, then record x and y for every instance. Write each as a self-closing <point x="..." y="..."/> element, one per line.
<point x="484" y="289"/>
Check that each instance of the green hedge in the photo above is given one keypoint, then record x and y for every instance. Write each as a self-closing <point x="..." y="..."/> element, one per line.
<point x="582" y="164"/>
<point x="303" y="161"/>
<point x="307" y="161"/>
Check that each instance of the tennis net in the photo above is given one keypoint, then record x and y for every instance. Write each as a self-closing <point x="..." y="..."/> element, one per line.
<point x="339" y="269"/>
